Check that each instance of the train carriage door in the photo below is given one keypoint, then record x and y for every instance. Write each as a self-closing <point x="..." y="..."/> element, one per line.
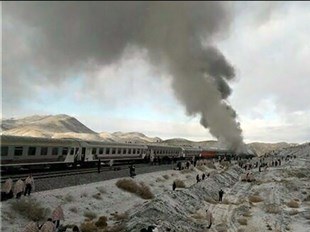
<point x="83" y="154"/>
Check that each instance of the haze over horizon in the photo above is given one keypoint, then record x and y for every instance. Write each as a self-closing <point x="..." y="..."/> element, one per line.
<point x="265" y="44"/>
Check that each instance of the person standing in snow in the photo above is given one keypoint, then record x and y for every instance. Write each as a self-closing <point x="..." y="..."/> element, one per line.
<point x="19" y="188"/>
<point x="174" y="186"/>
<point x="57" y="215"/>
<point x="48" y="226"/>
<point x="197" y="178"/>
<point x="203" y="176"/>
<point x="209" y="217"/>
<point x="29" y="185"/>
<point x="31" y="227"/>
<point x="221" y="193"/>
<point x="7" y="191"/>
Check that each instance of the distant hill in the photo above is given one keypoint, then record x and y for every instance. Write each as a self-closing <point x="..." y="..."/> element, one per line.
<point x="65" y="126"/>
<point x="263" y="148"/>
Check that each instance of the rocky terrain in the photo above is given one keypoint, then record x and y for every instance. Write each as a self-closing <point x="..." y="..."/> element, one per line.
<point x="279" y="200"/>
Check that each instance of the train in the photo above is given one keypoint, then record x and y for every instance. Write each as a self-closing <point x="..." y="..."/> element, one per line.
<point x="19" y="152"/>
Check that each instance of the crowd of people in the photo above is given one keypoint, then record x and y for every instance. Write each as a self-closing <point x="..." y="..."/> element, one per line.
<point x="11" y="190"/>
<point x="51" y="225"/>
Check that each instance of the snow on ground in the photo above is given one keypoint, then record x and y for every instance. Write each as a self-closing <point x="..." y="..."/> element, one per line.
<point x="184" y="209"/>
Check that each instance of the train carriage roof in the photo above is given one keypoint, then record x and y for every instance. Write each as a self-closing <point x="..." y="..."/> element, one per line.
<point x="23" y="140"/>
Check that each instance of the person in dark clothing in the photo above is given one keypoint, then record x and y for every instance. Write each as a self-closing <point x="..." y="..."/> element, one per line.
<point x="99" y="165"/>
<point x="221" y="193"/>
<point x="174" y="186"/>
<point x="187" y="164"/>
<point x="132" y="171"/>
<point x="197" y="178"/>
<point x="75" y="229"/>
<point x="203" y="176"/>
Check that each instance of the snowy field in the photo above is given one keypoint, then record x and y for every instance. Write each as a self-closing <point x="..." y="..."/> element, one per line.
<point x="278" y="201"/>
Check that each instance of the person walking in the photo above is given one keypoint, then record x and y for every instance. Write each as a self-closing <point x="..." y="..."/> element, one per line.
<point x="174" y="186"/>
<point x="197" y="178"/>
<point x="7" y="191"/>
<point x="221" y="193"/>
<point x="99" y="165"/>
<point x="48" y="226"/>
<point x="57" y="215"/>
<point x="203" y="176"/>
<point x="19" y="188"/>
<point x="31" y="227"/>
<point x="29" y="185"/>
<point x="209" y="218"/>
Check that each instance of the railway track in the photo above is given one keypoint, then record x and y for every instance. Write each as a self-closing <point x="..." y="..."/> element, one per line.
<point x="54" y="180"/>
<point x="70" y="172"/>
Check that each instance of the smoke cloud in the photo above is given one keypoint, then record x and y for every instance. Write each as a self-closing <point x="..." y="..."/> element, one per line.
<point x="179" y="37"/>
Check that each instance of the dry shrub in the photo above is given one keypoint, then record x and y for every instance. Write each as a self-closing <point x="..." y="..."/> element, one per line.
<point x="101" y="189"/>
<point x="226" y="202"/>
<point x="166" y="176"/>
<point x="115" y="228"/>
<point x="97" y="196"/>
<point x="68" y="198"/>
<point x="201" y="168"/>
<point x="293" y="212"/>
<point x="84" y="194"/>
<point x="247" y="214"/>
<point x="179" y="183"/>
<point x="30" y="208"/>
<point x="173" y="174"/>
<point x="255" y="198"/>
<point x="210" y="200"/>
<point x="131" y="186"/>
<point x="119" y="217"/>
<point x="210" y="165"/>
<point x="272" y="208"/>
<point x="185" y="171"/>
<point x="198" y="216"/>
<point x="159" y="179"/>
<point x="307" y="198"/>
<point x="73" y="209"/>
<point x="242" y="221"/>
<point x="102" y="222"/>
<point x="188" y="176"/>
<point x="90" y="215"/>
<point x="88" y="227"/>
<point x="145" y="192"/>
<point x="292" y="204"/>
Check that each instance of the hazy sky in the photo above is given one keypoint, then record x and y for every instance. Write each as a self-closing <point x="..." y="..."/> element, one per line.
<point x="113" y="88"/>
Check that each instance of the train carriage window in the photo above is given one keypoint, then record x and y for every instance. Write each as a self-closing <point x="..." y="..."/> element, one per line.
<point x="18" y="151"/>
<point x="138" y="151"/>
<point x="129" y="151"/>
<point x="94" y="151"/>
<point x="64" y="151"/>
<point x="32" y="151"/>
<point x="113" y="151"/>
<point x="4" y="150"/>
<point x="83" y="150"/>
<point x="134" y="151"/>
<point x="55" y="151"/>
<point x="101" y="151"/>
<point x="124" y="151"/>
<point x="107" y="151"/>
<point x="72" y="151"/>
<point x="43" y="150"/>
<point x="119" y="151"/>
